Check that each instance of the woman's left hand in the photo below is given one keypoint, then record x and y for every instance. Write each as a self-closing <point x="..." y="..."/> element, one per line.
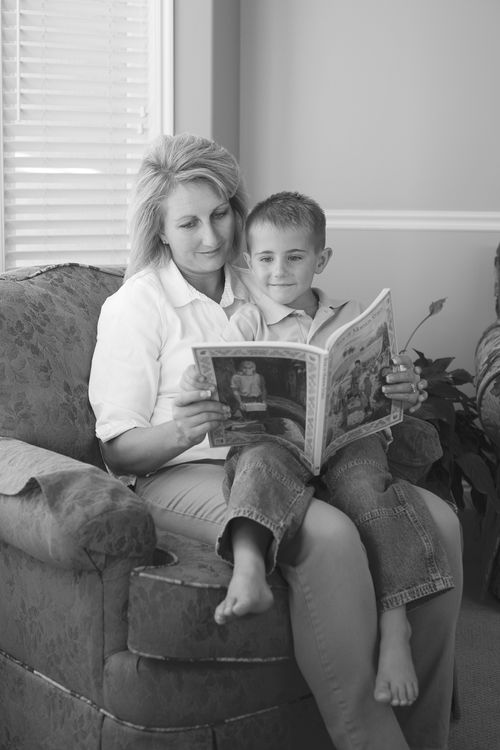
<point x="405" y="384"/>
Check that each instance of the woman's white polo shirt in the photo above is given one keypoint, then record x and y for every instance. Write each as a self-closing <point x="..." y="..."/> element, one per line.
<point x="144" y="339"/>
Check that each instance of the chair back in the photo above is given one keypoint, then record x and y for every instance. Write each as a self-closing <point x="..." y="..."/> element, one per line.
<point x="48" y="323"/>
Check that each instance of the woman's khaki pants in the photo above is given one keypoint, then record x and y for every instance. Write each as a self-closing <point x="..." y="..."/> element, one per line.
<point x="333" y="612"/>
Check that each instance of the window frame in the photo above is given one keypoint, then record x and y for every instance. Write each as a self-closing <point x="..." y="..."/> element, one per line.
<point x="161" y="98"/>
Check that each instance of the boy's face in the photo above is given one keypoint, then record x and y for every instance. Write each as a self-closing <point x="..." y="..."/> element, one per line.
<point x="284" y="262"/>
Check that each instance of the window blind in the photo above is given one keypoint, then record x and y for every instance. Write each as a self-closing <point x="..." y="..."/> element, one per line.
<point x="77" y="94"/>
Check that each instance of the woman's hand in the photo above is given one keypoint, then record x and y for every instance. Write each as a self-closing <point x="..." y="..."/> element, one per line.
<point x="405" y="384"/>
<point x="195" y="411"/>
<point x="143" y="450"/>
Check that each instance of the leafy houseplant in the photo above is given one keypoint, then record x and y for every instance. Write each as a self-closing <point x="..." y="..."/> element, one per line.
<point x="468" y="457"/>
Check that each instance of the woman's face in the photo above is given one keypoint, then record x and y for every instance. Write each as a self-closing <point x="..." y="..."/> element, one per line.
<point x="198" y="225"/>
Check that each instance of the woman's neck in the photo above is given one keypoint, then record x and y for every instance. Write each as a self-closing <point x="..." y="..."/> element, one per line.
<point x="209" y="284"/>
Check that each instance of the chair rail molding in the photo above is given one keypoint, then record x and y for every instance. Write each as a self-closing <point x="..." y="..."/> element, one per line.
<point x="433" y="221"/>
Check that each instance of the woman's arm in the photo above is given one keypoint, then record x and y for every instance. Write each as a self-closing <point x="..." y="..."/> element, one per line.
<point x="142" y="450"/>
<point x="131" y="349"/>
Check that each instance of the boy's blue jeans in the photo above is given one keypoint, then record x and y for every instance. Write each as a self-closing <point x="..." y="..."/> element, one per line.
<point x="267" y="484"/>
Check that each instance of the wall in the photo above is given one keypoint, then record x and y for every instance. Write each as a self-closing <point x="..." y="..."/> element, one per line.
<point x="388" y="114"/>
<point x="206" y="69"/>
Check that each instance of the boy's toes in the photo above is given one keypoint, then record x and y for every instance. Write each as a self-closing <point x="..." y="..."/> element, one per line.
<point x="219" y="616"/>
<point x="412" y="692"/>
<point x="397" y="701"/>
<point x="405" y="695"/>
<point x="383" y="692"/>
<point x="224" y="611"/>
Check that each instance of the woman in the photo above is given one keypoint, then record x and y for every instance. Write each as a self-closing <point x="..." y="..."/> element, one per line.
<point x="180" y="288"/>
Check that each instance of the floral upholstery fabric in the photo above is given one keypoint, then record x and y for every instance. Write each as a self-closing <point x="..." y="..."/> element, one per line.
<point x="488" y="404"/>
<point x="295" y="726"/>
<point x="51" y="619"/>
<point x="48" y="323"/>
<point x="60" y="720"/>
<point x="118" y="736"/>
<point x="194" y="583"/>
<point x="41" y="716"/>
<point x="66" y="512"/>
<point x="180" y="693"/>
<point x="488" y="381"/>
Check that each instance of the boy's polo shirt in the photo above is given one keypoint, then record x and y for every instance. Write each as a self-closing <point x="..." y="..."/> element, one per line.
<point x="272" y="321"/>
<point x="144" y="339"/>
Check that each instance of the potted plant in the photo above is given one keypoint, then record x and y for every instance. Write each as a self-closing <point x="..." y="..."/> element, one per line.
<point x="469" y="463"/>
<point x="469" y="459"/>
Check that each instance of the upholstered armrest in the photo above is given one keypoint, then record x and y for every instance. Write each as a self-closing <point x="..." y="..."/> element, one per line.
<point x="66" y="512"/>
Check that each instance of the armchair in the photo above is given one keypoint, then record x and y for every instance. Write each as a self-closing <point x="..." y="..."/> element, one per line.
<point x="487" y="383"/>
<point x="107" y="638"/>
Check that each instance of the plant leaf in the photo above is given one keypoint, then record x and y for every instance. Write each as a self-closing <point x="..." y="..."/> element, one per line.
<point x="442" y="363"/>
<point x="437" y="408"/>
<point x="460" y="377"/>
<point x="432" y="373"/>
<point x="436" y="306"/>
<point x="478" y="501"/>
<point x="422" y="356"/>
<point x="477" y="472"/>
<point x="443" y="389"/>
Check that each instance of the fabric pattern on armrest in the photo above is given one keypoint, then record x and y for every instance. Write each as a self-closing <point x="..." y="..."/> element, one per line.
<point x="68" y="513"/>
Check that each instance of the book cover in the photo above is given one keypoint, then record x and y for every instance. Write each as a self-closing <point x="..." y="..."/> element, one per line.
<point x="311" y="399"/>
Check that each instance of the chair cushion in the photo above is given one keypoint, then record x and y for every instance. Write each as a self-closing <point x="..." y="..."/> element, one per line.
<point x="48" y="323"/>
<point x="171" y="608"/>
<point x="150" y="692"/>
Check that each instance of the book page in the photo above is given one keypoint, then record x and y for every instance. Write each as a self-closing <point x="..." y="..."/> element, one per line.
<point x="270" y="389"/>
<point x="359" y="360"/>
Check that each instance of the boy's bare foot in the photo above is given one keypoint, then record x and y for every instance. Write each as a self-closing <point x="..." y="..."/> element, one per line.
<point x="247" y="593"/>
<point x="396" y="682"/>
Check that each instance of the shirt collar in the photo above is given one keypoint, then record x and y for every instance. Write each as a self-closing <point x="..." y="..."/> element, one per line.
<point x="180" y="292"/>
<point x="234" y="286"/>
<point x="273" y="312"/>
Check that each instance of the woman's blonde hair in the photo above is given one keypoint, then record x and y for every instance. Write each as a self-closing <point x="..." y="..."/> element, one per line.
<point x="172" y="160"/>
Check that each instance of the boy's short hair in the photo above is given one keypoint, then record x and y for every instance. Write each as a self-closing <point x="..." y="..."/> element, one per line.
<point x="289" y="209"/>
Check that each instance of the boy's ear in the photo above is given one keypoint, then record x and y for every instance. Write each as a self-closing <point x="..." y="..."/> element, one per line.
<point x="323" y="259"/>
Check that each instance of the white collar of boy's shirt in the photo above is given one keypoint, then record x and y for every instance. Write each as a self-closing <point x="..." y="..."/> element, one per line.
<point x="273" y="312"/>
<point x="180" y="292"/>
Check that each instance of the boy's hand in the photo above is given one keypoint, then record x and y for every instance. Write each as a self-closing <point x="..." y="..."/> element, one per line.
<point x="405" y="384"/>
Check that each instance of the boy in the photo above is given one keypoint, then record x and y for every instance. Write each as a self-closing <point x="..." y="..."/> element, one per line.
<point x="285" y="249"/>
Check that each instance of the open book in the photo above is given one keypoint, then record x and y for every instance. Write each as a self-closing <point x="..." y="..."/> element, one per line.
<point x="314" y="400"/>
